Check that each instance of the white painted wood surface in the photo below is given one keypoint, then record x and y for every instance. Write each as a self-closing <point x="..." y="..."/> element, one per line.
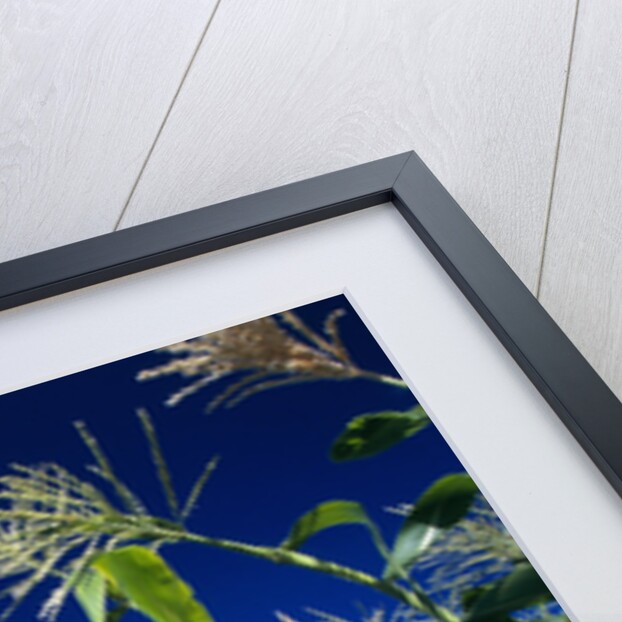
<point x="281" y="91"/>
<point x="582" y="275"/>
<point x="84" y="87"/>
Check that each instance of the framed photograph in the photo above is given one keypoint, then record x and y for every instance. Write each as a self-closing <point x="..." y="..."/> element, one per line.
<point x="328" y="401"/>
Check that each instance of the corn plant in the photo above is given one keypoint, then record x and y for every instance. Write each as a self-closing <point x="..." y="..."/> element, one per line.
<point x="102" y="545"/>
<point x="56" y="525"/>
<point x="261" y="355"/>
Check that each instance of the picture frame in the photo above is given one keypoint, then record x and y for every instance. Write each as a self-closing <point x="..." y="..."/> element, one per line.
<point x="581" y="399"/>
<point x="422" y="211"/>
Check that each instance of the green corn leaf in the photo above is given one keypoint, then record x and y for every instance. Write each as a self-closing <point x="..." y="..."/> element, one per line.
<point x="440" y="507"/>
<point x="150" y="585"/>
<point x="522" y="588"/>
<point x="371" y="434"/>
<point x="90" y="592"/>
<point x="332" y="514"/>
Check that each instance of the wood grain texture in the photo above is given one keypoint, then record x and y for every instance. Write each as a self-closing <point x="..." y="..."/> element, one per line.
<point x="282" y="91"/>
<point x="84" y="87"/>
<point x="582" y="275"/>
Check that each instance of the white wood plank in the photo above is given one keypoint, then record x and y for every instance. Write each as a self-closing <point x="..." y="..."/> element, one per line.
<point x="84" y="87"/>
<point x="582" y="276"/>
<point x="281" y="91"/>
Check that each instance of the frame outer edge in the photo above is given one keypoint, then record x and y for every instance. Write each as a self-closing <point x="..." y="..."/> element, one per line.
<point x="569" y="384"/>
<point x="185" y="235"/>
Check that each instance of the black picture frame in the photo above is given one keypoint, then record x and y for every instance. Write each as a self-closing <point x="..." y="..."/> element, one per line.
<point x="572" y="388"/>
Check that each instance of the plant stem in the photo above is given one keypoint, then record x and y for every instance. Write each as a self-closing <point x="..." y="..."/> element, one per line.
<point x="415" y="599"/>
<point x="382" y="378"/>
<point x="440" y="613"/>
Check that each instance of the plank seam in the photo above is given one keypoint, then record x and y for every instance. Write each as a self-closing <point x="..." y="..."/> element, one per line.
<point x="166" y="116"/>
<point x="547" y="218"/>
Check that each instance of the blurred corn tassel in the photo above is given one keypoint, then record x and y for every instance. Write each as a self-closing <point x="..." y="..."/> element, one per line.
<point x="53" y="524"/>
<point x="263" y="354"/>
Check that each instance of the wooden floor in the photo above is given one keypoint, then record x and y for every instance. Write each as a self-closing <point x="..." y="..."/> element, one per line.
<point x="113" y="114"/>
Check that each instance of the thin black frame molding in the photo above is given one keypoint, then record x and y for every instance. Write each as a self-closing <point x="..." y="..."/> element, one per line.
<point x="581" y="399"/>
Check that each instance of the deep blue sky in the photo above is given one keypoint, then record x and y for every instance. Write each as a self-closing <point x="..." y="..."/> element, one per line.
<point x="274" y="467"/>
